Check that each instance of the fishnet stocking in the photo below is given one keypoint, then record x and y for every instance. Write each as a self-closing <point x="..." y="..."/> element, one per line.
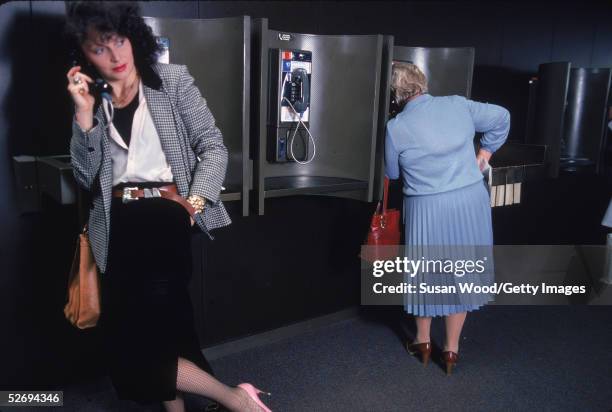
<point x="190" y="378"/>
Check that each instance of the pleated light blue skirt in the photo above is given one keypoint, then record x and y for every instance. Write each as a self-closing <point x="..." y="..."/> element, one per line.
<point x="455" y="225"/>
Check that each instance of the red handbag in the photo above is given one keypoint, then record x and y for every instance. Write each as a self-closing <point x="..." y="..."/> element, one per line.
<point x="383" y="238"/>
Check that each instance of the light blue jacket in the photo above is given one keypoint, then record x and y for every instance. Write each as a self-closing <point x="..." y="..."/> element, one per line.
<point x="431" y="142"/>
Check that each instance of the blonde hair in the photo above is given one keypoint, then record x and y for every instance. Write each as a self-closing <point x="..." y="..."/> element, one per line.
<point x="407" y="81"/>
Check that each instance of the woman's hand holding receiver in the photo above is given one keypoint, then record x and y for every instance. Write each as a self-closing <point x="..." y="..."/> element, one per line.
<point x="78" y="88"/>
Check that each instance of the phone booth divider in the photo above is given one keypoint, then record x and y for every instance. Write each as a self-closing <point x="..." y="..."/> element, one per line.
<point x="225" y="83"/>
<point x="383" y="115"/>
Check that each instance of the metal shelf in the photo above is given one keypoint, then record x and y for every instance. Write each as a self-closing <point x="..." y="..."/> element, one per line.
<point x="56" y="180"/>
<point x="231" y="194"/>
<point x="517" y="154"/>
<point x="519" y="162"/>
<point x="301" y="185"/>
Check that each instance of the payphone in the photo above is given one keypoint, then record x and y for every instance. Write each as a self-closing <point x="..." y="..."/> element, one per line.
<point x="289" y="107"/>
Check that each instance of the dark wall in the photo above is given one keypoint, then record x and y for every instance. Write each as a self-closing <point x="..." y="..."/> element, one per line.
<point x="38" y="345"/>
<point x="299" y="260"/>
<point x="511" y="38"/>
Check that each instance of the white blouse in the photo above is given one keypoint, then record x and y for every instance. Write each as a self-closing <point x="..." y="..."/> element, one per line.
<point x="144" y="160"/>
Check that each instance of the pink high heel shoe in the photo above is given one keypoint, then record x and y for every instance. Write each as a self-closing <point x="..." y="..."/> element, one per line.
<point x="253" y="393"/>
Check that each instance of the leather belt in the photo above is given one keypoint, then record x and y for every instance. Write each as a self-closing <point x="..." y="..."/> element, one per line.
<point x="170" y="192"/>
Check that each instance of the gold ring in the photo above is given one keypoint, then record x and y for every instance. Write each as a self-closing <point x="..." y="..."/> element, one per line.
<point x="81" y="90"/>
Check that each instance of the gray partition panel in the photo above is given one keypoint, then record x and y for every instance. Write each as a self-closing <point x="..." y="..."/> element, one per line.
<point x="344" y="116"/>
<point x="449" y="70"/>
<point x="383" y="115"/>
<point x="218" y="55"/>
<point x="585" y="118"/>
<point x="259" y="96"/>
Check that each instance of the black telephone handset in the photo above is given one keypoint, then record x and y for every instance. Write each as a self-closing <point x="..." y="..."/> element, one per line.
<point x="394" y="108"/>
<point x="301" y="98"/>
<point x="100" y="88"/>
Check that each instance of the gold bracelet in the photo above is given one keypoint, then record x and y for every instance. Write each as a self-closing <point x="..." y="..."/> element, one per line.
<point x="197" y="202"/>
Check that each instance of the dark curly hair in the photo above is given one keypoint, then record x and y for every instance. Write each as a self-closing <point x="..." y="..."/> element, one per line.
<point x="122" y="18"/>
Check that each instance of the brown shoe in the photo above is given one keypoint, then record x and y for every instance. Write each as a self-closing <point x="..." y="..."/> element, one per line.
<point x="422" y="348"/>
<point x="450" y="358"/>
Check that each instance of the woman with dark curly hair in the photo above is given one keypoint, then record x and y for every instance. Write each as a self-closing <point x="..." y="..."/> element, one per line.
<point x="148" y="150"/>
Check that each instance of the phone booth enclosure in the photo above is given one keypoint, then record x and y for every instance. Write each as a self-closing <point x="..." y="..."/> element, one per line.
<point x="217" y="53"/>
<point x="343" y="118"/>
<point x="549" y="111"/>
<point x="449" y="71"/>
<point x="586" y="118"/>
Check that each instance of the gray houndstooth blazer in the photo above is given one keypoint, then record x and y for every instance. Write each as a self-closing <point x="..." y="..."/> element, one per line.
<point x="193" y="146"/>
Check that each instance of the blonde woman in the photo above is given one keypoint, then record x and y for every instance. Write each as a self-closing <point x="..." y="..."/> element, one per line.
<point x="430" y="144"/>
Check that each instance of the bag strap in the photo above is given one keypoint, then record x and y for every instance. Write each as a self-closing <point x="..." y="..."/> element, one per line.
<point x="385" y="196"/>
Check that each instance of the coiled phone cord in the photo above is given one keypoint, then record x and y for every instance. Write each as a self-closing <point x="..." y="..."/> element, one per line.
<point x="107" y="103"/>
<point x="300" y="122"/>
<point x="314" y="145"/>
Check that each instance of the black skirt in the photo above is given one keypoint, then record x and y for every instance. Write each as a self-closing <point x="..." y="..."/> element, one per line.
<point x="147" y="316"/>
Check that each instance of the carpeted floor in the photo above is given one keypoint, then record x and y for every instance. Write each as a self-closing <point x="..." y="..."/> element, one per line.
<point x="511" y="358"/>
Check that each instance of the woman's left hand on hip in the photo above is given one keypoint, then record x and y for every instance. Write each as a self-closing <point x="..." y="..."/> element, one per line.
<point x="482" y="159"/>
